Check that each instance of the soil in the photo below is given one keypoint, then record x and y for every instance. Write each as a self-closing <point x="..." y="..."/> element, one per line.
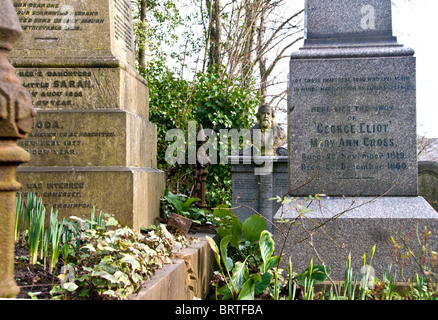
<point x="32" y="278"/>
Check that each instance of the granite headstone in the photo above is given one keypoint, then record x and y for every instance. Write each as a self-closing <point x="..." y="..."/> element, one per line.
<point x="428" y="182"/>
<point x="351" y="139"/>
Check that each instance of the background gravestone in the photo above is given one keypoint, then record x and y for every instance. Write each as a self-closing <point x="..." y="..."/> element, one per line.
<point x="428" y="182"/>
<point x="92" y="143"/>
<point x="251" y="192"/>
<point x="352" y="138"/>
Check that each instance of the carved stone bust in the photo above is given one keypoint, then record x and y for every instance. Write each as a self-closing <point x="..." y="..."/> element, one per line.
<point x="267" y="135"/>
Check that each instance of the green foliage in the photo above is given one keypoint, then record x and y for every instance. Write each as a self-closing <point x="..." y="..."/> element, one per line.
<point x="186" y="207"/>
<point x="157" y="32"/>
<point x="100" y="258"/>
<point x="111" y="261"/>
<point x="246" y="259"/>
<point x="211" y="99"/>
<point x="415" y="249"/>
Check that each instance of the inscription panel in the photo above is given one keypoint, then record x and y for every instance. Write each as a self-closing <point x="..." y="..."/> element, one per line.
<point x="59" y="30"/>
<point x="353" y="127"/>
<point x="85" y="89"/>
<point x="90" y="138"/>
<point x="75" y="193"/>
<point x="77" y="139"/>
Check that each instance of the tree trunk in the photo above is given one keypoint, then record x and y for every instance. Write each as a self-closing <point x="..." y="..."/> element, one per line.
<point x="215" y="34"/>
<point x="141" y="48"/>
<point x="261" y="56"/>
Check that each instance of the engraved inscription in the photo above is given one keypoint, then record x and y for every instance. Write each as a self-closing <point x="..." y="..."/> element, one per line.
<point x="353" y="126"/>
<point x="122" y="28"/>
<point x="57" y="89"/>
<point x="51" y="16"/>
<point x="52" y="138"/>
<point x="59" y="194"/>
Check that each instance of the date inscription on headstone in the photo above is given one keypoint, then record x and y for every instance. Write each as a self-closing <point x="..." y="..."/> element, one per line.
<point x="352" y="127"/>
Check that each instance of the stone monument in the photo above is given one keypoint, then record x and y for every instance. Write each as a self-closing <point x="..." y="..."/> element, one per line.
<point x="252" y="189"/>
<point x="428" y="182"/>
<point x="352" y="138"/>
<point x="92" y="143"/>
<point x="16" y="118"/>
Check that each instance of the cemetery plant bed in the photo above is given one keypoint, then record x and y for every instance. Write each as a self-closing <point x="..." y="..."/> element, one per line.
<point x="79" y="258"/>
<point x="33" y="280"/>
<point x="36" y="283"/>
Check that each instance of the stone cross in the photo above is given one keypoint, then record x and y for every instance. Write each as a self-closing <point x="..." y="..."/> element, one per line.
<point x="16" y="118"/>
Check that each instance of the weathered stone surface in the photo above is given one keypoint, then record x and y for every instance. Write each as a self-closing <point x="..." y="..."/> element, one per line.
<point x="86" y="89"/>
<point x="67" y="32"/>
<point x="251" y="192"/>
<point x="130" y="194"/>
<point x="91" y="138"/>
<point x="428" y="182"/>
<point x="77" y="60"/>
<point x="355" y="225"/>
<point x="188" y="277"/>
<point x="352" y="136"/>
<point x="337" y="22"/>
<point x="352" y="124"/>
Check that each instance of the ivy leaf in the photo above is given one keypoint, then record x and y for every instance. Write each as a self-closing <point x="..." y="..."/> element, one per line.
<point x="70" y="286"/>
<point x="127" y="258"/>
<point x="89" y="247"/>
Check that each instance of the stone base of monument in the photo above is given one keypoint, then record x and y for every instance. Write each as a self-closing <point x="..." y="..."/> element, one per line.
<point x="337" y="226"/>
<point x="252" y="190"/>
<point x="130" y="194"/>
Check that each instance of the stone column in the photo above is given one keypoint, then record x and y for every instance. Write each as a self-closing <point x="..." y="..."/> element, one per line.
<point x="16" y="118"/>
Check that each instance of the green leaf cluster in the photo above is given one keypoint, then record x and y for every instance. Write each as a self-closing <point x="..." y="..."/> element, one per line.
<point x="211" y="99"/>
<point x="244" y="256"/>
<point x="111" y="261"/>
<point x="247" y="264"/>
<point x="186" y="207"/>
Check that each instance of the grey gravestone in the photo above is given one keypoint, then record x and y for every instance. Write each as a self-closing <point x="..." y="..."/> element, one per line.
<point x="428" y="182"/>
<point x="92" y="143"/>
<point x="352" y="138"/>
<point x="252" y="193"/>
<point x="369" y="21"/>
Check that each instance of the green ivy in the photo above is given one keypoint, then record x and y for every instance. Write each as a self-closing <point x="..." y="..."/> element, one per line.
<point x="109" y="261"/>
